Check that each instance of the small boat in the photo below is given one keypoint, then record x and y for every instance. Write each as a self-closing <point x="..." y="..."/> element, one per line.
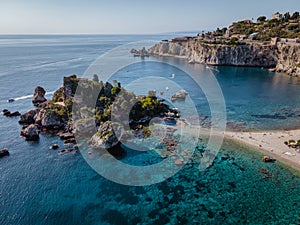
<point x="173" y="76"/>
<point x="11" y="100"/>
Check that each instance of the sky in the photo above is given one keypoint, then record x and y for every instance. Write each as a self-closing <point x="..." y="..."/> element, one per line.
<point x="130" y="16"/>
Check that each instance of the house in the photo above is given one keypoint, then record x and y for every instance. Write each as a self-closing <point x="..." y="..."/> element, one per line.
<point x="277" y="16"/>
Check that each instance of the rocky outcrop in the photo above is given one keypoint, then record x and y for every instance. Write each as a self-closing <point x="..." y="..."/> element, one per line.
<point x="7" y="113"/>
<point x="50" y="119"/>
<point x="38" y="96"/>
<point x="4" y="152"/>
<point x="28" y="117"/>
<point x="179" y="95"/>
<point x="288" y="58"/>
<point x="31" y="133"/>
<point x="282" y="56"/>
<point x="107" y="138"/>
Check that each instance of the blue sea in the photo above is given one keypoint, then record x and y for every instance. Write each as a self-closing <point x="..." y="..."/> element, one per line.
<point x="39" y="186"/>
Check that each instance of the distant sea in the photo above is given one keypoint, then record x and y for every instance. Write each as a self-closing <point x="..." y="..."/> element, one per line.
<point x="38" y="186"/>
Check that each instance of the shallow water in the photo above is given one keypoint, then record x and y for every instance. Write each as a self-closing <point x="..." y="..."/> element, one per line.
<point x="38" y="186"/>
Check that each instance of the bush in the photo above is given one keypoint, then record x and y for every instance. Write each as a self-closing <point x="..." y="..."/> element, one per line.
<point x="261" y="19"/>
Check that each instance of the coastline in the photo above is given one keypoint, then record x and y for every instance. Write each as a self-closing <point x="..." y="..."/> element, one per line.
<point x="270" y="143"/>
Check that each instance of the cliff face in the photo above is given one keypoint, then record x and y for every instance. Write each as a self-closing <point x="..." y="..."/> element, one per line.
<point x="283" y="56"/>
<point x="288" y="58"/>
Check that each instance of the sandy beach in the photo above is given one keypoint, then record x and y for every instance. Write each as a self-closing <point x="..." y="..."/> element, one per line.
<point x="271" y="143"/>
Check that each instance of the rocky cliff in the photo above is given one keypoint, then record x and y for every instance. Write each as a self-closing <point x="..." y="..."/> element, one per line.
<point x="282" y="56"/>
<point x="288" y="58"/>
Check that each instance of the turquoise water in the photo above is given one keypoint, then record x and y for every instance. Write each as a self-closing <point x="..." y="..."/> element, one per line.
<point x="38" y="186"/>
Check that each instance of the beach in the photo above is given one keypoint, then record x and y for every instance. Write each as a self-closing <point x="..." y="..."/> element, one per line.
<point x="271" y="143"/>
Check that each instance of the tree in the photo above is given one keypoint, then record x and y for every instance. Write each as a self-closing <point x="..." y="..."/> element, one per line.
<point x="261" y="19"/>
<point x="295" y="16"/>
<point x="224" y="29"/>
<point x="287" y="17"/>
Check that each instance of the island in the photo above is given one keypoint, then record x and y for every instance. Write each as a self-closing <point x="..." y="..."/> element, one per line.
<point x="71" y="114"/>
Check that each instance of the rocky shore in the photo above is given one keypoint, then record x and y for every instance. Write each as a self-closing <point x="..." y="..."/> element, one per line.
<point x="280" y="55"/>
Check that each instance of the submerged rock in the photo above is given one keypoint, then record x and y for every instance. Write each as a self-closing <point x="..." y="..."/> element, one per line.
<point x="54" y="146"/>
<point x="68" y="150"/>
<point x="31" y="133"/>
<point x="38" y="96"/>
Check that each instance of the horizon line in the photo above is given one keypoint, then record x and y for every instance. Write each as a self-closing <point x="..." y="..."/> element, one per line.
<point x="162" y="33"/>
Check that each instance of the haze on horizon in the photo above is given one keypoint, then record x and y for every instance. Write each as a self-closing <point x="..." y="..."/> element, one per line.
<point x="130" y="16"/>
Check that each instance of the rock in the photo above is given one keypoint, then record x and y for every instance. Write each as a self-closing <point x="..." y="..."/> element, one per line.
<point x="7" y="113"/>
<point x="31" y="133"/>
<point x="66" y="135"/>
<point x="14" y="114"/>
<point x="50" y="119"/>
<point x="107" y="138"/>
<point x="70" y="85"/>
<point x="180" y="95"/>
<point x="85" y="128"/>
<point x="70" y="141"/>
<point x="4" y="152"/>
<point x="54" y="146"/>
<point x="28" y="117"/>
<point x="38" y="96"/>
<point x="267" y="159"/>
<point x="178" y="162"/>
<point x="67" y="150"/>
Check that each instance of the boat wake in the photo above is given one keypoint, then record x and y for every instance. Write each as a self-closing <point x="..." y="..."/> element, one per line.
<point x="30" y="96"/>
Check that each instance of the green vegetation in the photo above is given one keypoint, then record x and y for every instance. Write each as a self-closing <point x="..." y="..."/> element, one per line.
<point x="58" y="95"/>
<point x="261" y="19"/>
<point x="55" y="108"/>
<point x="285" y="26"/>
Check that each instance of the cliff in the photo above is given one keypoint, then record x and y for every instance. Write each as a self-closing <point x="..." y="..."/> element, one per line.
<point x="288" y="58"/>
<point x="283" y="56"/>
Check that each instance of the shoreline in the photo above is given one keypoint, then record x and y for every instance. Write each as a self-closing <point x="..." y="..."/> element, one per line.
<point x="270" y="143"/>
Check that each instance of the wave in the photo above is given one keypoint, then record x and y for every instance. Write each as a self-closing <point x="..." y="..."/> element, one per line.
<point x="30" y="96"/>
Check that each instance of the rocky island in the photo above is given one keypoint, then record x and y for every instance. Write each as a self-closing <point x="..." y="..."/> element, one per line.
<point x="70" y="114"/>
<point x="273" y="43"/>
